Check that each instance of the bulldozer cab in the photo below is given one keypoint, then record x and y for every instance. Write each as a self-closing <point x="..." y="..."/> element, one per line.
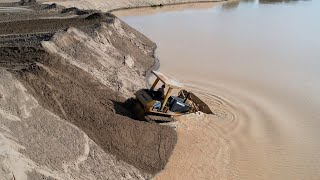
<point x="166" y="102"/>
<point x="168" y="83"/>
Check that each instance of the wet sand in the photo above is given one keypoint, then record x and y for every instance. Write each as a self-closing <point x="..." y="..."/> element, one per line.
<point x="257" y="69"/>
<point x="13" y="9"/>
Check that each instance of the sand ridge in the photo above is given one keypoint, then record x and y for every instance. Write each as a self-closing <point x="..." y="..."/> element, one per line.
<point x="71" y="77"/>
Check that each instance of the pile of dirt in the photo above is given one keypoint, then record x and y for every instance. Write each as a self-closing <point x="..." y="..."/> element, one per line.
<point x="37" y="144"/>
<point x="81" y="69"/>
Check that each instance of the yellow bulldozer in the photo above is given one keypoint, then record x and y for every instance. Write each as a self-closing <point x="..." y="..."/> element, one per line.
<point x="169" y="101"/>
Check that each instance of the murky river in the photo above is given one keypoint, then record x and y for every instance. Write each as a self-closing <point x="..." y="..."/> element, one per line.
<point x="258" y="64"/>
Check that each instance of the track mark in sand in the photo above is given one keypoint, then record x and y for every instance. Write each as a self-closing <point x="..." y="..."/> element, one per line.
<point x="74" y="165"/>
<point x="13" y="9"/>
<point x="7" y="115"/>
<point x="60" y="106"/>
<point x="85" y="154"/>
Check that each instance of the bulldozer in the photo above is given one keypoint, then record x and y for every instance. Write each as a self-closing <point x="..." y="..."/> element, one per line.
<point x="164" y="105"/>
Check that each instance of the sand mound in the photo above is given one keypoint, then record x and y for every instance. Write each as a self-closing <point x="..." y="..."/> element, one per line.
<point x="98" y="55"/>
<point x="36" y="141"/>
<point x="62" y="112"/>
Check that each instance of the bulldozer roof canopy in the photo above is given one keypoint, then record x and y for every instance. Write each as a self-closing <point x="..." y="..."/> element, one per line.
<point x="167" y="80"/>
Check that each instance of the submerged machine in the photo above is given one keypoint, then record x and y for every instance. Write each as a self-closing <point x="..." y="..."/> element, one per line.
<point x="163" y="105"/>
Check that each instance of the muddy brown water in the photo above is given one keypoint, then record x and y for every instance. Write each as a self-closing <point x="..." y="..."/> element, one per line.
<point x="257" y="64"/>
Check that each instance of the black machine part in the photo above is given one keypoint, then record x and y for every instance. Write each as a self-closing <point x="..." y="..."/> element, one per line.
<point x="177" y="104"/>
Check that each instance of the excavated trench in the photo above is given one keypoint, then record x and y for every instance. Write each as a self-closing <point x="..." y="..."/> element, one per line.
<point x="83" y="69"/>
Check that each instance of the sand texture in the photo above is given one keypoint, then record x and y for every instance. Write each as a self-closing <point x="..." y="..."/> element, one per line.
<point x="64" y="82"/>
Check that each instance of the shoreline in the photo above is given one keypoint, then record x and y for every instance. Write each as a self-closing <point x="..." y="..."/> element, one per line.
<point x="45" y="56"/>
<point x="114" y="5"/>
<point x="156" y="65"/>
<point x="168" y="4"/>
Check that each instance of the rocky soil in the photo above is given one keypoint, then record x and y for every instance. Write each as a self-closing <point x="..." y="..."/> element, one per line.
<point x="65" y="75"/>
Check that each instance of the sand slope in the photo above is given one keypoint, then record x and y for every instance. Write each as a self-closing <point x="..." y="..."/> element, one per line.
<point x="63" y="85"/>
<point x="36" y="143"/>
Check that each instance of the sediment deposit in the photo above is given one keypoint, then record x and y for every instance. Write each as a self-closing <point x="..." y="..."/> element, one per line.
<point x="65" y="77"/>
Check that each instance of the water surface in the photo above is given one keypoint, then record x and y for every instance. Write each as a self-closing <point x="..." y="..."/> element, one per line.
<point x="260" y="57"/>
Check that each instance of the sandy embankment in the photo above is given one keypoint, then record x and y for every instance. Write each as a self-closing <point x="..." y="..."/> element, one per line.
<point x="36" y="143"/>
<point x="62" y="91"/>
<point x="64" y="78"/>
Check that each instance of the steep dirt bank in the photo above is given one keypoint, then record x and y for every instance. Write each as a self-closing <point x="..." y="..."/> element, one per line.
<point x="37" y="144"/>
<point x="109" y="5"/>
<point x="63" y="85"/>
